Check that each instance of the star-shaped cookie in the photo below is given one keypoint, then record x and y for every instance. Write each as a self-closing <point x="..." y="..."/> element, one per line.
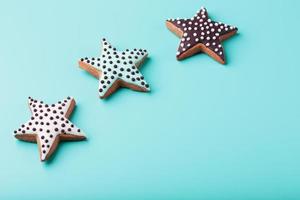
<point x="201" y="34"/>
<point x="114" y="69"/>
<point x="48" y="125"/>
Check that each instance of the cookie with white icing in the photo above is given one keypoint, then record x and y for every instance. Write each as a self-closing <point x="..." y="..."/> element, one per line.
<point x="201" y="34"/>
<point x="48" y="125"/>
<point x="116" y="69"/>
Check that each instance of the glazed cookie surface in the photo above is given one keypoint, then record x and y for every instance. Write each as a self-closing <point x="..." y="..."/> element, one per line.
<point x="201" y="34"/>
<point x="116" y="69"/>
<point x="48" y="125"/>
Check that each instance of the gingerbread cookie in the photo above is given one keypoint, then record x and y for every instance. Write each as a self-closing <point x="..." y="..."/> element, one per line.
<point x="201" y="34"/>
<point x="48" y="125"/>
<point x="115" y="69"/>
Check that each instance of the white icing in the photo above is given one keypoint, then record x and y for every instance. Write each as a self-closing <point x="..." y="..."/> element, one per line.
<point x="48" y="122"/>
<point x="116" y="65"/>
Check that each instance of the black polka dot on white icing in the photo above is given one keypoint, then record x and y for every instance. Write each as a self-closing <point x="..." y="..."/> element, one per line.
<point x="115" y="66"/>
<point x="202" y="30"/>
<point x="48" y="123"/>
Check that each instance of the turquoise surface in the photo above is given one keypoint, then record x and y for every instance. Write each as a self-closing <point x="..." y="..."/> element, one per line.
<point x="206" y="131"/>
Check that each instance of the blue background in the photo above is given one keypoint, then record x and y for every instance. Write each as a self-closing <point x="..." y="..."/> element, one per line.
<point x="206" y="131"/>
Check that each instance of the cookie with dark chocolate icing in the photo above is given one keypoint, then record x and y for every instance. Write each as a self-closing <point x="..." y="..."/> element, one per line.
<point x="201" y="34"/>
